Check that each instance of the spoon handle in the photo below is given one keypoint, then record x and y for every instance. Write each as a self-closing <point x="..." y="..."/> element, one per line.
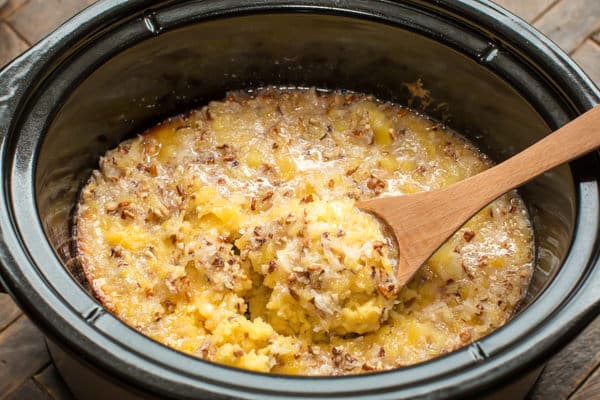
<point x="574" y="139"/>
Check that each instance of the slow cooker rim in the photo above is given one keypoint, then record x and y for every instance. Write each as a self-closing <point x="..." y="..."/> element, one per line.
<point x="6" y="255"/>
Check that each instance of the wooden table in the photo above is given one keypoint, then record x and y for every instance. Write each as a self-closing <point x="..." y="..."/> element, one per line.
<point x="26" y="371"/>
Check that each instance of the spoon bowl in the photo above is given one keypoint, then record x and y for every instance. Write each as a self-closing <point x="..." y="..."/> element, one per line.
<point x="422" y="222"/>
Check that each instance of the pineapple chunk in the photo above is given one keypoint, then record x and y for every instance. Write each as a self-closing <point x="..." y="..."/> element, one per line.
<point x="381" y="125"/>
<point x="382" y="128"/>
<point x="407" y="166"/>
<point x="414" y="332"/>
<point x="131" y="237"/>
<point x="446" y="263"/>
<point x="496" y="262"/>
<point x="168" y="138"/>
<point x="254" y="158"/>
<point x="389" y="163"/>
<point x="286" y="166"/>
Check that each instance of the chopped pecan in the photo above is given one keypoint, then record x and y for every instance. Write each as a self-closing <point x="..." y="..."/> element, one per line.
<point x="387" y="288"/>
<point x="267" y="195"/>
<point x="204" y="348"/>
<point x="375" y="184"/>
<point x="465" y="336"/>
<point x="229" y="157"/>
<point x="126" y="213"/>
<point x="307" y="199"/>
<point x="351" y="171"/>
<point x="169" y="306"/>
<point x="468" y="235"/>
<point x="467" y="271"/>
<point x="218" y="262"/>
<point x="272" y="266"/>
<point x="369" y="367"/>
<point x="176" y="237"/>
<point x="294" y="294"/>
<point x="378" y="247"/>
<point x="116" y="252"/>
<point x="291" y="218"/>
<point x="111" y="206"/>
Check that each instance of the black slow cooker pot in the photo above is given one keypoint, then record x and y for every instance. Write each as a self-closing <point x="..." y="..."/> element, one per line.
<point x="122" y="65"/>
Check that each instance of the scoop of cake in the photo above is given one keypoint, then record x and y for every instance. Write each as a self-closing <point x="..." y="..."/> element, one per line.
<point x="328" y="268"/>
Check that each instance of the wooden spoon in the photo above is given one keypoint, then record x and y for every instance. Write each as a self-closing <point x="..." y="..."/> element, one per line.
<point x="422" y="222"/>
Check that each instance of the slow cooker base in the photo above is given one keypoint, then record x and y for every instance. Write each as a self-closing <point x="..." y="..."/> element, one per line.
<point x="87" y="383"/>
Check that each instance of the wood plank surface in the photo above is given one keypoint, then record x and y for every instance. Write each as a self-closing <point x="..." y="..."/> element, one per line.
<point x="566" y="371"/>
<point x="590" y="389"/>
<point x="529" y="10"/>
<point x="36" y="18"/>
<point x="29" y="391"/>
<point x="8" y="311"/>
<point x="25" y="369"/>
<point x="588" y="58"/>
<point x="569" y="22"/>
<point x="22" y="354"/>
<point x="53" y="383"/>
<point x="10" y="6"/>
<point x="11" y="45"/>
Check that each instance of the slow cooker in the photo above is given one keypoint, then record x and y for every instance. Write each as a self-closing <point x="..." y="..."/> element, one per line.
<point x="123" y="65"/>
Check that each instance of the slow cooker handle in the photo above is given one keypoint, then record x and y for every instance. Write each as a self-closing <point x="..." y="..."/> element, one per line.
<point x="589" y="304"/>
<point x="585" y="305"/>
<point x="12" y="79"/>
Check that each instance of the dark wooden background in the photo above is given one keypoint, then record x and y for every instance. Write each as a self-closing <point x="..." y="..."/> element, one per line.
<point x="26" y="371"/>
